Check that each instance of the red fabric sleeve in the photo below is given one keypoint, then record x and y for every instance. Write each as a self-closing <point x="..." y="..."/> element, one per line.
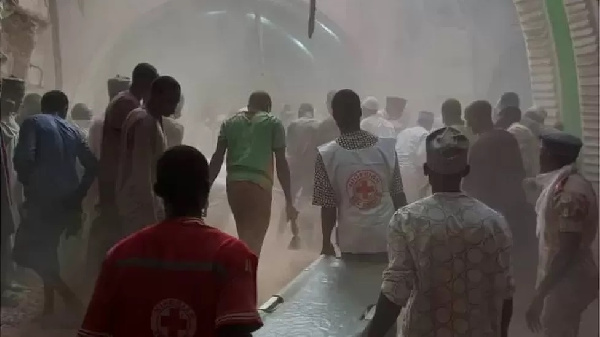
<point x="98" y="318"/>
<point x="237" y="297"/>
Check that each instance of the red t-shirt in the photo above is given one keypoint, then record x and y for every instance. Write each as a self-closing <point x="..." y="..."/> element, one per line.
<point x="179" y="278"/>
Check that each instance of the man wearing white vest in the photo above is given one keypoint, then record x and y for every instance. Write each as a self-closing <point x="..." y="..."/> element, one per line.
<point x="357" y="184"/>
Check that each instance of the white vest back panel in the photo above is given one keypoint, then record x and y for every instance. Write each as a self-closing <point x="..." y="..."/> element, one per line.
<point x="361" y="180"/>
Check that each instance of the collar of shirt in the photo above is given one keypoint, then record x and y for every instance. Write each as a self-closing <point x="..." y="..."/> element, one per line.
<point x="186" y="221"/>
<point x="357" y="140"/>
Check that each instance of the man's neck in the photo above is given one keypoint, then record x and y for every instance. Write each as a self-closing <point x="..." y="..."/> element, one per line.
<point x="369" y="114"/>
<point x="156" y="114"/>
<point x="174" y="214"/>
<point x="137" y="93"/>
<point x="347" y="130"/>
<point x="456" y="122"/>
<point x="446" y="189"/>
<point x="487" y="129"/>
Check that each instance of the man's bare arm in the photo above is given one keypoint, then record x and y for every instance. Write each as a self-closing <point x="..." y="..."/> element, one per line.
<point x="283" y="174"/>
<point x="562" y="262"/>
<point x="507" y="312"/>
<point x="216" y="161"/>
<point x="328" y="220"/>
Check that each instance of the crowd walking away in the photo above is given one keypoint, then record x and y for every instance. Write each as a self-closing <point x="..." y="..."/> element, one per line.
<point x="478" y="220"/>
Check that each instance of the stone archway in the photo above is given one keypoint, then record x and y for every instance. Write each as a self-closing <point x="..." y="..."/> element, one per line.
<point x="562" y="45"/>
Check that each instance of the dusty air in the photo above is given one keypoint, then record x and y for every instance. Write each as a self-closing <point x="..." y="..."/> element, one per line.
<point x="299" y="168"/>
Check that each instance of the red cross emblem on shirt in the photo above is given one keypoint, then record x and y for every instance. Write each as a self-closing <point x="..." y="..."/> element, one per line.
<point x="172" y="323"/>
<point x="365" y="189"/>
<point x="173" y="318"/>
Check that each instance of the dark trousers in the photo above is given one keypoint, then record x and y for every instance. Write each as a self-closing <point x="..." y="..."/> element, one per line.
<point x="7" y="262"/>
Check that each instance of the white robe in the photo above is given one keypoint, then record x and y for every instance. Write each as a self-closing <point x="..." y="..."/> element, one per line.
<point x="410" y="148"/>
<point x="143" y="143"/>
<point x="378" y="126"/>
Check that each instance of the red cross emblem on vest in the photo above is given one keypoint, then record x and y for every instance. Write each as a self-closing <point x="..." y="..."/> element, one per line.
<point x="173" y="318"/>
<point x="365" y="189"/>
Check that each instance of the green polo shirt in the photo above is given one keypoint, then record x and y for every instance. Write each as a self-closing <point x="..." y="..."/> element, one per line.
<point x="251" y="141"/>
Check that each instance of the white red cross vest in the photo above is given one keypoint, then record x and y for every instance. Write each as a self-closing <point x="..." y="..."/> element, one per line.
<point x="361" y="180"/>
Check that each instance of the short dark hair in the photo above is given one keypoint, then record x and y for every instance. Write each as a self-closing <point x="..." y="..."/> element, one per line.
<point x="509" y="99"/>
<point x="479" y="109"/>
<point x="451" y="109"/>
<point x="163" y="84"/>
<point x="512" y="113"/>
<point x="55" y="101"/>
<point x="81" y="112"/>
<point x="144" y="72"/>
<point x="346" y="105"/>
<point x="260" y="100"/>
<point x="182" y="177"/>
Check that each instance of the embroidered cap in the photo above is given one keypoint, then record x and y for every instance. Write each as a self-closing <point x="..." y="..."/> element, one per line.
<point x="560" y="143"/>
<point x="447" y="151"/>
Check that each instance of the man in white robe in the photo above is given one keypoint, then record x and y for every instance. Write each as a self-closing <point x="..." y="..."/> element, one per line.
<point x="173" y="128"/>
<point x="394" y="112"/>
<point x="143" y="143"/>
<point x="410" y="147"/>
<point x="373" y="122"/>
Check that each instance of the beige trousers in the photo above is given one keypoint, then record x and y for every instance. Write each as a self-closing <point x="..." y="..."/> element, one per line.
<point x="251" y="208"/>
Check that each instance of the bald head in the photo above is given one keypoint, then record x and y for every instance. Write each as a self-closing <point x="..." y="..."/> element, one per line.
<point x="259" y="101"/>
<point x="346" y="110"/>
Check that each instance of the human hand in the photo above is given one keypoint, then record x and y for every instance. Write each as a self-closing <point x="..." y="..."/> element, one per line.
<point x="534" y="313"/>
<point x="291" y="212"/>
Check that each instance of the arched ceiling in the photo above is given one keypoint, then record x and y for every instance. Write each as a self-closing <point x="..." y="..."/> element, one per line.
<point x="212" y="47"/>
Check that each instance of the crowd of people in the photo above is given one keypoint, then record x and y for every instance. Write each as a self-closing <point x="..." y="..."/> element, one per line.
<point x="451" y="211"/>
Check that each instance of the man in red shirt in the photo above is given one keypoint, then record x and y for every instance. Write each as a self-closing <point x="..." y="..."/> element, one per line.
<point x="180" y="277"/>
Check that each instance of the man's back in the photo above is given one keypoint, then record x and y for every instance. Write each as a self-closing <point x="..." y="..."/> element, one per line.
<point x="251" y="140"/>
<point x="497" y="171"/>
<point x="177" y="278"/>
<point x="454" y="254"/>
<point x="114" y="117"/>
<point x="378" y="126"/>
<point x="327" y="131"/>
<point x="301" y="139"/>
<point x="46" y="155"/>
<point x="408" y="143"/>
<point x="142" y="143"/>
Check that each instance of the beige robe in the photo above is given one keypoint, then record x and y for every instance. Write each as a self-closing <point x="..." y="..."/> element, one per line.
<point x="529" y="147"/>
<point x="410" y="148"/>
<point x="143" y="143"/>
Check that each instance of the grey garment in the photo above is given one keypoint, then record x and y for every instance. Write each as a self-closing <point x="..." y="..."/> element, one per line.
<point x="173" y="130"/>
<point x="10" y="136"/>
<point x="8" y="218"/>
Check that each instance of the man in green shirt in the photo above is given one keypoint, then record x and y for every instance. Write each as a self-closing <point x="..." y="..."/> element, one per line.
<point x="250" y="138"/>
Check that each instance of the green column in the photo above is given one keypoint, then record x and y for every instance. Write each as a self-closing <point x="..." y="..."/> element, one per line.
<point x="569" y="86"/>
